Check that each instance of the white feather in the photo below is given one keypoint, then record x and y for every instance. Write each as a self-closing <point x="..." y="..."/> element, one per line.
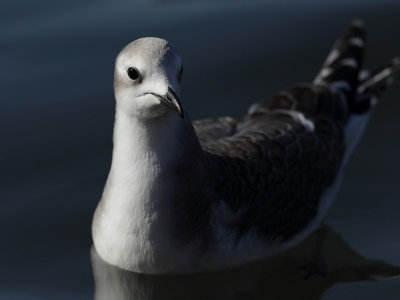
<point x="129" y="219"/>
<point x="349" y="62"/>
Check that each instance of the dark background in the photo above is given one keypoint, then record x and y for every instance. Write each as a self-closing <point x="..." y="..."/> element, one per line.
<point x="57" y="113"/>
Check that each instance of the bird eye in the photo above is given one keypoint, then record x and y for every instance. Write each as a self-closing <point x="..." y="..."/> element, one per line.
<point x="180" y="74"/>
<point x="133" y="73"/>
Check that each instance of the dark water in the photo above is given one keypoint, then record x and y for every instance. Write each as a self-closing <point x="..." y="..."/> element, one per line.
<point x="56" y="120"/>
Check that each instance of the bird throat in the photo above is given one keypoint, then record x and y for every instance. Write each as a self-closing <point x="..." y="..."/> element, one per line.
<point x="145" y="154"/>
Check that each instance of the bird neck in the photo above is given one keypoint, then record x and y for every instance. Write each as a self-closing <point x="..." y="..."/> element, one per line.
<point x="157" y="141"/>
<point x="144" y="150"/>
<point x="144" y="200"/>
<point x="150" y="156"/>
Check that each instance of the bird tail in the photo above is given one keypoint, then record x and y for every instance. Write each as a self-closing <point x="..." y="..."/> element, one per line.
<point x="342" y="71"/>
<point x="372" y="85"/>
<point x="370" y="88"/>
<point x="342" y="66"/>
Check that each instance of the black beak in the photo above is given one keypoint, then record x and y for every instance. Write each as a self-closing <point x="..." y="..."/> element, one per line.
<point x="171" y="100"/>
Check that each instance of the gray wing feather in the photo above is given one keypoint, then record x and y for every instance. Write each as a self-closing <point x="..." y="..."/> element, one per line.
<point x="272" y="166"/>
<point x="272" y="169"/>
<point x="210" y="130"/>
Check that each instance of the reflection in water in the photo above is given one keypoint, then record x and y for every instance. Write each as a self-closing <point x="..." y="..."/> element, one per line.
<point x="280" y="277"/>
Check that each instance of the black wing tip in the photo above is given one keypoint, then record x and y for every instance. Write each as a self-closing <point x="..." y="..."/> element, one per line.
<point x="383" y="74"/>
<point x="373" y="86"/>
<point x="345" y="59"/>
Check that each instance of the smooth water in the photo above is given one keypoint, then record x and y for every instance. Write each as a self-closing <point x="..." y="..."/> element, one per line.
<point x="56" y="121"/>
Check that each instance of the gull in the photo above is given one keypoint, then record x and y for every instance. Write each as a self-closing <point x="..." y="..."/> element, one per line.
<point x="186" y="196"/>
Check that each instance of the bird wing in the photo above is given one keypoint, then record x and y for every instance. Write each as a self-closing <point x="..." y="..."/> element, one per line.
<point x="273" y="166"/>
<point x="213" y="129"/>
<point x="281" y="157"/>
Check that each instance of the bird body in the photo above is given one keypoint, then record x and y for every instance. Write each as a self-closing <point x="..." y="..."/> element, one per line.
<point x="215" y="193"/>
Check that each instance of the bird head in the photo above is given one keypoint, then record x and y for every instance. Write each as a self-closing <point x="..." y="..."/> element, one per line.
<point x="147" y="78"/>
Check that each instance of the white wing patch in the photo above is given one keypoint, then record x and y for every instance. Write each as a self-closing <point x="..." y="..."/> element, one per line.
<point x="381" y="75"/>
<point x="349" y="62"/>
<point x="325" y="72"/>
<point x="332" y="56"/>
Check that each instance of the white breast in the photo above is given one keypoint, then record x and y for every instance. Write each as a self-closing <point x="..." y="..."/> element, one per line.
<point x="131" y="227"/>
